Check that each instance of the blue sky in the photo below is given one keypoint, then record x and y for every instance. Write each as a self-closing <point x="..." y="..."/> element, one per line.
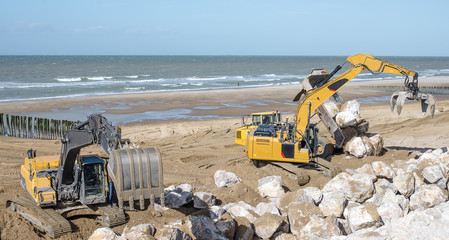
<point x="212" y="27"/>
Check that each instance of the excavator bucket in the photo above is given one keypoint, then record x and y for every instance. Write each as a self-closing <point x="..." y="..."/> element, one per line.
<point x="398" y="98"/>
<point x="137" y="175"/>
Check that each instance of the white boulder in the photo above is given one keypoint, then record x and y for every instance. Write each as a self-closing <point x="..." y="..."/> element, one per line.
<point x="225" y="179"/>
<point x="427" y="196"/>
<point x="271" y="186"/>
<point x="363" y="216"/>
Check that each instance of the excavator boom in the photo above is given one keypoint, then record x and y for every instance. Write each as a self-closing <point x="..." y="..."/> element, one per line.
<point x="313" y="98"/>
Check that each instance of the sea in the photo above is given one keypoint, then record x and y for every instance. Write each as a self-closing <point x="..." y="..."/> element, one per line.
<point x="34" y="78"/>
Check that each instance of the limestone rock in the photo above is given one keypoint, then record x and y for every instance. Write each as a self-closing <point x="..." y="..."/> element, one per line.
<point x="359" y="147"/>
<point x="299" y="214"/>
<point x="363" y="216"/>
<point x="180" y="196"/>
<point x="345" y="119"/>
<point x="432" y="174"/>
<point x="331" y="108"/>
<point x="427" y="196"/>
<point x="266" y="225"/>
<point x="308" y="194"/>
<point x="352" y="106"/>
<point x="271" y="186"/>
<point x="139" y="232"/>
<point x="225" y="179"/>
<point x="320" y="228"/>
<point x="389" y="210"/>
<point x="383" y="169"/>
<point x="361" y="188"/>
<point x="367" y="169"/>
<point x="377" y="142"/>
<point x="241" y="209"/>
<point x="203" y="200"/>
<point x="103" y="233"/>
<point x="204" y="228"/>
<point x="333" y="203"/>
<point x="405" y="183"/>
<point x="263" y="208"/>
<point x="390" y="197"/>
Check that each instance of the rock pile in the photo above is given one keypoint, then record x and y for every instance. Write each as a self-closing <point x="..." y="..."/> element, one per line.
<point x="376" y="201"/>
<point x="358" y="142"/>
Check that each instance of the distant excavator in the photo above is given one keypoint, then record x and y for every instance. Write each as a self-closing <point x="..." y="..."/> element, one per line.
<point x="298" y="142"/>
<point x="71" y="184"/>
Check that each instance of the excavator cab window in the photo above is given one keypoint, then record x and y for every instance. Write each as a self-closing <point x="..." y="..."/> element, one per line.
<point x="93" y="180"/>
<point x="256" y="120"/>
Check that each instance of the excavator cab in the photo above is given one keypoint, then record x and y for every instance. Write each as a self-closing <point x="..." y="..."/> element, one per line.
<point x="93" y="180"/>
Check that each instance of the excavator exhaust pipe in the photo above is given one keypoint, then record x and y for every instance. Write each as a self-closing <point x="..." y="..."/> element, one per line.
<point x="137" y="175"/>
<point x="398" y="99"/>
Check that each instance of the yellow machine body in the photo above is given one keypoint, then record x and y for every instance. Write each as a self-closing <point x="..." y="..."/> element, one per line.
<point x="268" y="144"/>
<point x="256" y="119"/>
<point x="36" y="179"/>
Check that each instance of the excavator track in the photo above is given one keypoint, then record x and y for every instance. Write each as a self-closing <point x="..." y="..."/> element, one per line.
<point x="111" y="216"/>
<point x="334" y="170"/>
<point x="44" y="219"/>
<point x="302" y="177"/>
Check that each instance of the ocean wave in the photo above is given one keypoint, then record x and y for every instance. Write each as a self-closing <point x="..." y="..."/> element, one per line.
<point x="134" y="88"/>
<point x="132" y="76"/>
<point x="75" y="79"/>
<point x="204" y="78"/>
<point x="98" y="78"/>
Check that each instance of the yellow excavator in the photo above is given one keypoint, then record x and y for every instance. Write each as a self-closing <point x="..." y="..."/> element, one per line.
<point x="71" y="184"/>
<point x="298" y="142"/>
<point x="256" y="120"/>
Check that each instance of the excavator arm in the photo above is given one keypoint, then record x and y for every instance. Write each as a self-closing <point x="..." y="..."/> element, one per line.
<point x="312" y="99"/>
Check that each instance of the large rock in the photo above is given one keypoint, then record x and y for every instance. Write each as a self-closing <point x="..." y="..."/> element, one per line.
<point x="215" y="212"/>
<point x="299" y="214"/>
<point x="204" y="228"/>
<point x="203" y="200"/>
<point x="363" y="216"/>
<point x="308" y="194"/>
<point x="268" y="224"/>
<point x="333" y="203"/>
<point x="383" y="169"/>
<point x="427" y="196"/>
<point x="390" y="197"/>
<point x="345" y="119"/>
<point x="103" y="233"/>
<point x="320" y="228"/>
<point x="331" y="108"/>
<point x="361" y="188"/>
<point x="389" y="210"/>
<point x="271" y="186"/>
<point x="263" y="208"/>
<point x="405" y="184"/>
<point x="225" y="179"/>
<point x="432" y="174"/>
<point x="352" y="106"/>
<point x="359" y="147"/>
<point x="367" y="169"/>
<point x="241" y="209"/>
<point x="139" y="232"/>
<point x="377" y="142"/>
<point x="179" y="196"/>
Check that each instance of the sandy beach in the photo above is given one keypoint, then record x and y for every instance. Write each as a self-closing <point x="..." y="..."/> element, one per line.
<point x="201" y="141"/>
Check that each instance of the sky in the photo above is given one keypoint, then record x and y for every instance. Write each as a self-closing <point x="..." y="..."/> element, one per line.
<point x="227" y="27"/>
